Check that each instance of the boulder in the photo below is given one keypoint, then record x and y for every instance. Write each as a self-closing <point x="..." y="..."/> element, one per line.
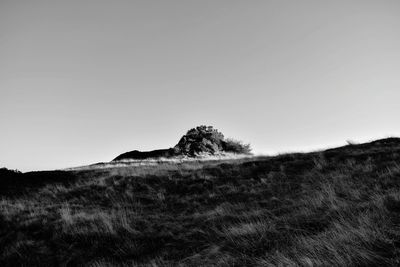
<point x="202" y="139"/>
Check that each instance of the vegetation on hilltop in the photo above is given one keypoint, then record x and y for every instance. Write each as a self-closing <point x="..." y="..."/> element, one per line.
<point x="339" y="207"/>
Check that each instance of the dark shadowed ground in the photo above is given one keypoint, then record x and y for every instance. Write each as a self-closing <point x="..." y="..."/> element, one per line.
<point x="339" y="207"/>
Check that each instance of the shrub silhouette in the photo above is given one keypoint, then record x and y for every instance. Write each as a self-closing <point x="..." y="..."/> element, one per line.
<point x="234" y="146"/>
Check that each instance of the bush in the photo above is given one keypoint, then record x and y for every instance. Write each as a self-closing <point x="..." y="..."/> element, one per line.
<point x="235" y="146"/>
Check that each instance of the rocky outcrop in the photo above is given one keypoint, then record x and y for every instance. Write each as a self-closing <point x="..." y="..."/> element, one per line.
<point x="200" y="140"/>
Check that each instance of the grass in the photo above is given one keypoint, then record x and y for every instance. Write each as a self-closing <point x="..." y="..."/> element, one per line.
<point x="339" y="207"/>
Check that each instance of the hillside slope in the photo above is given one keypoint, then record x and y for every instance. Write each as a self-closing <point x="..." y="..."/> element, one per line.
<point x="339" y="207"/>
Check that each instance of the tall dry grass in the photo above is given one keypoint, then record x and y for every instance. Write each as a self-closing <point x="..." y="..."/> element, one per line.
<point x="332" y="208"/>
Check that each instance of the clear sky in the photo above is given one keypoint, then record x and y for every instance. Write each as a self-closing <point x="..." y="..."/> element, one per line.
<point x="83" y="81"/>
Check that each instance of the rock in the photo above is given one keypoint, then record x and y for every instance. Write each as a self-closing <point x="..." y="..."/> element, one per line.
<point x="202" y="139"/>
<point x="160" y="153"/>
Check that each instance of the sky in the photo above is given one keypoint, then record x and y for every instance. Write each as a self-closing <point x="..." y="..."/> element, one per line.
<point x="83" y="81"/>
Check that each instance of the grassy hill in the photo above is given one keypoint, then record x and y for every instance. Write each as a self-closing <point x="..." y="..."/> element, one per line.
<point x="339" y="207"/>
